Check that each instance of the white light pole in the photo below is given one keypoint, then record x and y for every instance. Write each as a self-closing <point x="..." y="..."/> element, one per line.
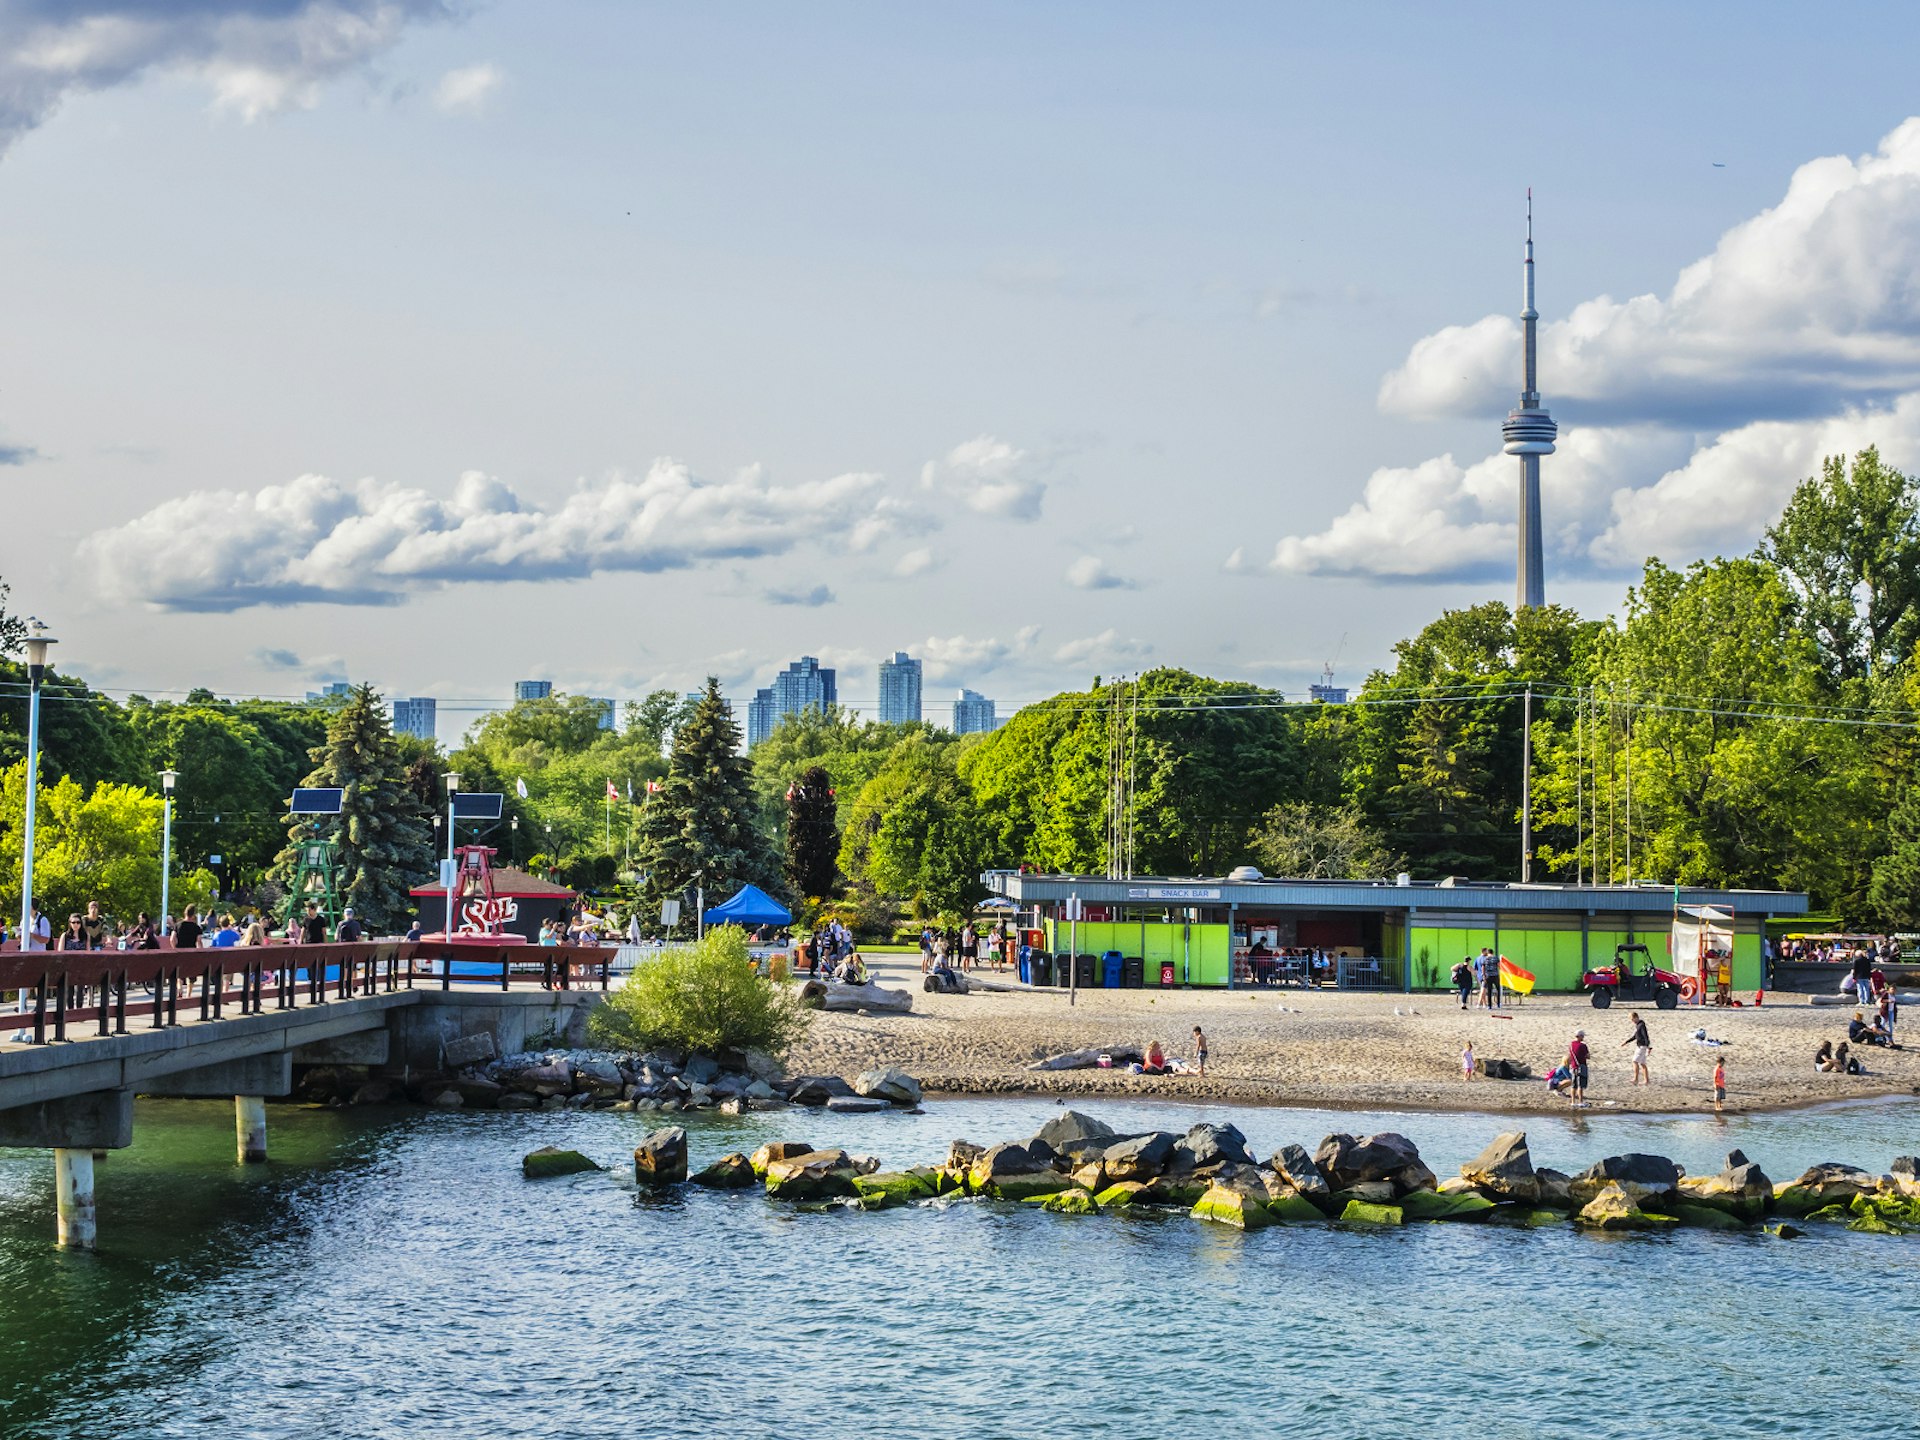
<point x="700" y="905"/>
<point x="514" y="823"/>
<point x="167" y="777"/>
<point x="37" y="643"/>
<point x="453" y="788"/>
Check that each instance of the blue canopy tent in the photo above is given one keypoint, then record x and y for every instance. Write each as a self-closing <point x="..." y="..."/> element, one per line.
<point x="752" y="906"/>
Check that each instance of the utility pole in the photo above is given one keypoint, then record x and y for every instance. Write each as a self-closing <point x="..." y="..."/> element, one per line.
<point x="1526" y="788"/>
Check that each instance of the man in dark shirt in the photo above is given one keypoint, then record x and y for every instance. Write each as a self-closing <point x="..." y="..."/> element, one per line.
<point x="349" y="930"/>
<point x="1642" y="1049"/>
<point x="186" y="934"/>
<point x="1578" y="1057"/>
<point x="1863" y="976"/>
<point x="313" y="929"/>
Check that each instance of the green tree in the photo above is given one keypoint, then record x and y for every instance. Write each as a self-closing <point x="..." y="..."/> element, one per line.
<point x="82" y="732"/>
<point x="1848" y="547"/>
<point x="707" y="999"/>
<point x="813" y="835"/>
<point x="702" y="821"/>
<point x="1303" y="841"/>
<point x="100" y="843"/>
<point x="915" y="831"/>
<point x="1894" y="892"/>
<point x="383" y="835"/>
<point x="652" y="720"/>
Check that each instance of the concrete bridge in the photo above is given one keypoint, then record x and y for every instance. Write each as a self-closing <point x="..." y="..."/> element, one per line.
<point x="103" y="1026"/>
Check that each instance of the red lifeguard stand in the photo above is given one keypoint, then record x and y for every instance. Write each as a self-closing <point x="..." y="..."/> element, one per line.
<point x="478" y="913"/>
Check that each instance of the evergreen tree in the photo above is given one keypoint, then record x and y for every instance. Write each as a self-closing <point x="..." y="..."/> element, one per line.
<point x="813" y="834"/>
<point x="1894" y="895"/>
<point x="701" y="821"/>
<point x="382" y="831"/>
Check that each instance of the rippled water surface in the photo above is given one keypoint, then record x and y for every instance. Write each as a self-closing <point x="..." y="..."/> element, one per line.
<point x="390" y="1274"/>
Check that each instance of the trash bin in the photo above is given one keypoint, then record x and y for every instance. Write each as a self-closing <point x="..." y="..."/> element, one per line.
<point x="1133" y="973"/>
<point x="1025" y="956"/>
<point x="1166" y="973"/>
<point x="1111" y="965"/>
<point x="1039" y="968"/>
<point x="1085" y="972"/>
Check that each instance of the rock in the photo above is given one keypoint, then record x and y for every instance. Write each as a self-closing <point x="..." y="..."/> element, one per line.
<point x="1227" y="1206"/>
<point x="1823" y="1185"/>
<point x="962" y="1154"/>
<point x="447" y="1100"/>
<point x="514" y="1100"/>
<point x="1642" y="1177"/>
<point x="817" y="1089"/>
<point x="1520" y="1217"/>
<point x="1067" y="1202"/>
<point x="1359" y="1212"/>
<point x="1000" y="1162"/>
<point x="1124" y="1195"/>
<point x="760" y="1090"/>
<point x="734" y="1106"/>
<point x="1090" y="1176"/>
<point x="1504" y="1069"/>
<point x="1025" y="1187"/>
<point x="553" y="1102"/>
<point x="661" y="1158"/>
<point x="543" y="1081"/>
<point x="478" y="1092"/>
<point x="1208" y="1145"/>
<point x="832" y="995"/>
<point x="1704" y="1217"/>
<point x="1905" y="1165"/>
<point x="884" y="1191"/>
<point x="572" y="1102"/>
<point x="698" y="1096"/>
<point x="1430" y="1205"/>
<point x="892" y="1085"/>
<point x="1293" y="1206"/>
<point x="762" y="1066"/>
<point x="1346" y="1162"/>
<point x="468" y="1050"/>
<point x="598" y="1077"/>
<point x="1504" y="1170"/>
<point x="701" y="1070"/>
<point x="854" y="1105"/>
<point x="1183" y="1191"/>
<point x="374" y="1092"/>
<point x="815" y="1175"/>
<point x="1070" y="1131"/>
<point x="729" y="1172"/>
<point x="1556" y="1190"/>
<point x="1785" y="1231"/>
<point x="1735" y="1159"/>
<point x="1616" y="1207"/>
<point x="1297" y="1166"/>
<point x="1140" y="1157"/>
<point x="548" y="1161"/>
<point x="1741" y="1190"/>
<point x="777" y="1150"/>
<point x="1367" y="1192"/>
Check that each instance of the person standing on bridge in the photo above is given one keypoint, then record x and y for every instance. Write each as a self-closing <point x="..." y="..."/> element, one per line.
<point x="95" y="924"/>
<point x="313" y="929"/>
<point x="74" y="937"/>
<point x="349" y="928"/>
<point x="186" y="934"/>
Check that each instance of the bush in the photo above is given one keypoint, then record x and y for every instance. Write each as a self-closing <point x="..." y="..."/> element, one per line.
<point x="703" y="999"/>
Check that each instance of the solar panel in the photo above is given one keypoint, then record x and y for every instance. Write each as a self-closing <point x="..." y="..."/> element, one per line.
<point x="476" y="805"/>
<point x="319" y="801"/>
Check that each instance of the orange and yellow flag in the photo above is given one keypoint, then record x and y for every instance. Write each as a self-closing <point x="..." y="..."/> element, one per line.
<point x="1514" y="978"/>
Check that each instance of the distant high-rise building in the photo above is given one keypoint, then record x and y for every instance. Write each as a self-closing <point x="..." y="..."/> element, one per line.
<point x="606" y="712"/>
<point x="415" y="717"/>
<point x="899" y="690"/>
<point x="338" y="693"/>
<point x="803" y="685"/>
<point x="972" y="713"/>
<point x="1326" y="692"/>
<point x="531" y="690"/>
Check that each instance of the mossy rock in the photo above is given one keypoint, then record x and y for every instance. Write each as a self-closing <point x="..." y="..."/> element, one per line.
<point x="1524" y="1217"/>
<point x="548" y="1161"/>
<point x="1883" y="1215"/>
<point x="1230" y="1207"/>
<point x="1028" y="1187"/>
<point x="1795" y="1200"/>
<point x="1360" y="1212"/>
<point x="887" y="1189"/>
<point x="938" y="1181"/>
<point x="1838" y="1214"/>
<point x="729" y="1172"/>
<point x="1170" y="1191"/>
<point x="1293" y="1207"/>
<point x="1067" y="1202"/>
<point x="1704" y="1217"/>
<point x="1459" y="1205"/>
<point x="1784" y="1231"/>
<point x="1124" y="1195"/>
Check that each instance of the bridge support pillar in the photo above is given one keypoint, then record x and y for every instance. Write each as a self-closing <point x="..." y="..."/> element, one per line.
<point x="250" y="1128"/>
<point x="73" y="1194"/>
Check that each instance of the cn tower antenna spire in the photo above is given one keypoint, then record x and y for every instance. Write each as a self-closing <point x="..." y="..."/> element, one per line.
<point x="1529" y="433"/>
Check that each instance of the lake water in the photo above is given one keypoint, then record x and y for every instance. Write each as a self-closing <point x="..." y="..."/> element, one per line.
<point x="390" y="1274"/>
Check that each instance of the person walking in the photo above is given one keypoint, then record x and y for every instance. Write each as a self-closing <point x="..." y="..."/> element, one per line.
<point x="186" y="934"/>
<point x="1719" y="1082"/>
<point x="1489" y="978"/>
<point x="313" y="926"/>
<point x="1578" y="1058"/>
<point x="1200" y="1048"/>
<point x="1469" y="1068"/>
<point x="348" y="930"/>
<point x="1642" y="1048"/>
<point x="1462" y="978"/>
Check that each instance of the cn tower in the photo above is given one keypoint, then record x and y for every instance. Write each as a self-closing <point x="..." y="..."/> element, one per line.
<point x="1529" y="433"/>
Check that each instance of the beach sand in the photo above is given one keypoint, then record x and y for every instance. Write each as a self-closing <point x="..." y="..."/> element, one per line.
<point x="1344" y="1050"/>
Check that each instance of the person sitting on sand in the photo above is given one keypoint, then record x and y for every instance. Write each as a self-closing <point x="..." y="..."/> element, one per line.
<point x="1862" y="1033"/>
<point x="1823" y="1057"/>
<point x="853" y="970"/>
<point x="1156" y="1062"/>
<point x="1845" y="1063"/>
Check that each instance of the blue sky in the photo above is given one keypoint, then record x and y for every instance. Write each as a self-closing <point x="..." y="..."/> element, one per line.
<point x="445" y="345"/>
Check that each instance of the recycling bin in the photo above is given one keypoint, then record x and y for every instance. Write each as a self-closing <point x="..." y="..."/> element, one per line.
<point x="1039" y="968"/>
<point x="1112" y="964"/>
<point x="1166" y="974"/>
<point x="1133" y="973"/>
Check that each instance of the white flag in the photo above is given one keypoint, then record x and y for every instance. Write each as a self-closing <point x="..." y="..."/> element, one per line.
<point x="520" y="788"/>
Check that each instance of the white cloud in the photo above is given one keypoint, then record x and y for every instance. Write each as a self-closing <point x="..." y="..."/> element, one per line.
<point x="1106" y="648"/>
<point x="468" y="90"/>
<point x="917" y="561"/>
<point x="947" y="656"/>
<point x="990" y="477"/>
<point x="257" y="56"/>
<point x="315" y="539"/>
<point x="1090" y="572"/>
<point x="1694" y="413"/>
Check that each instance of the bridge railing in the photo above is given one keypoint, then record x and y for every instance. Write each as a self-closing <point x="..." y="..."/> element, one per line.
<point x="103" y="988"/>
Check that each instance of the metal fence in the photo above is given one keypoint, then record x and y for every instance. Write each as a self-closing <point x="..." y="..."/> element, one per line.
<point x="1372" y="972"/>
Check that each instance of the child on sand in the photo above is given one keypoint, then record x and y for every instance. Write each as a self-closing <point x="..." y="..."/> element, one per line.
<point x="1467" y="1070"/>
<point x="1200" y="1048"/>
<point x="1719" y="1082"/>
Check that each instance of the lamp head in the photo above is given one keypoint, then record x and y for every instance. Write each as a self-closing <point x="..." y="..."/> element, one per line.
<point x="453" y="781"/>
<point x="37" y="642"/>
<point x="167" y="777"/>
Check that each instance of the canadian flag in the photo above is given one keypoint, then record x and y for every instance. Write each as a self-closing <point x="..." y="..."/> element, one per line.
<point x="613" y="791"/>
<point x="653" y="787"/>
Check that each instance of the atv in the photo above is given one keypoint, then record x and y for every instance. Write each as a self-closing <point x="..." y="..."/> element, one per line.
<point x="1632" y="976"/>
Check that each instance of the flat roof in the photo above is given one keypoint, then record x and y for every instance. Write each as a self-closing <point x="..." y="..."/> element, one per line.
<point x="1382" y="894"/>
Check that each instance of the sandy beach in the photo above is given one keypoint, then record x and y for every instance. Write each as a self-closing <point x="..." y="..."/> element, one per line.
<point x="1326" y="1048"/>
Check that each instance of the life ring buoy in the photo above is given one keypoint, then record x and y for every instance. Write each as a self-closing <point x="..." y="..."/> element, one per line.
<point x="1689" y="990"/>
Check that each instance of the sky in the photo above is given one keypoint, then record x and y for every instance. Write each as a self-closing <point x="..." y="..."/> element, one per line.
<point x="442" y="345"/>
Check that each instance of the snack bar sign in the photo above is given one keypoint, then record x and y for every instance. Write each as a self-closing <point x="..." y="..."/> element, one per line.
<point x="1173" y="892"/>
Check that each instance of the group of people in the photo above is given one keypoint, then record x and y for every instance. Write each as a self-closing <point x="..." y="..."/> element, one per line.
<point x="1574" y="1073"/>
<point x="1878" y="950"/>
<point x="1157" y="1062"/>
<point x="92" y="930"/>
<point x="1478" y="975"/>
<point x="1295" y="964"/>
<point x="963" y="949"/>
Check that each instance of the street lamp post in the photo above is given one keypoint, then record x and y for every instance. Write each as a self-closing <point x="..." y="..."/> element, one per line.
<point x="453" y="788"/>
<point x="167" y="778"/>
<point x="514" y="823"/>
<point x="37" y="643"/>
